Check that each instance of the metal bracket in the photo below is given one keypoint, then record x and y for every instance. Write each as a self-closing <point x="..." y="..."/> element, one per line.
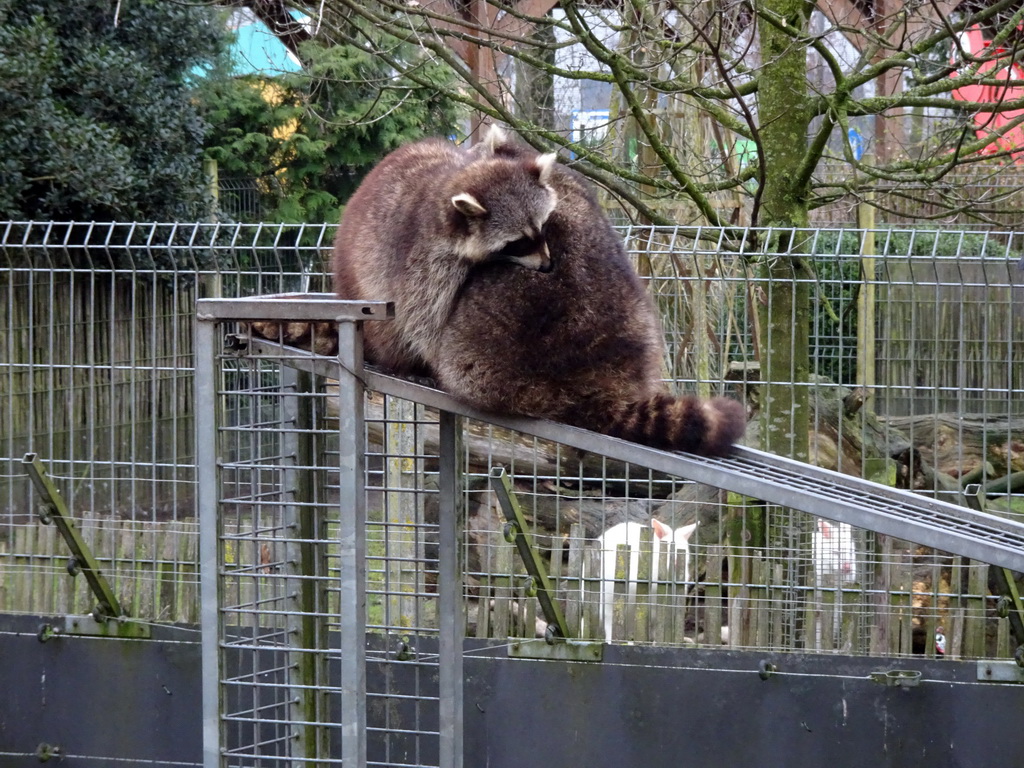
<point x="108" y="608"/>
<point x="897" y="678"/>
<point x="564" y="650"/>
<point x="515" y="532"/>
<point x="47" y="752"/>
<point x="1009" y="605"/>
<point x="1000" y="672"/>
<point x="90" y="626"/>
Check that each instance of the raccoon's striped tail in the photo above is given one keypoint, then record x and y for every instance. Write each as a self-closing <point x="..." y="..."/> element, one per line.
<point x="708" y="427"/>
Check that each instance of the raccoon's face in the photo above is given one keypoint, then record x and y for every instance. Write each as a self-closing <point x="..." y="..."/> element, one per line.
<point x="502" y="209"/>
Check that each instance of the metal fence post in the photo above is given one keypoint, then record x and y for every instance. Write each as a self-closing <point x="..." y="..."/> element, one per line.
<point x="449" y="586"/>
<point x="352" y="533"/>
<point x="207" y="500"/>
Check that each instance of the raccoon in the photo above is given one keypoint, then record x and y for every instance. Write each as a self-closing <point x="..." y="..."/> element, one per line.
<point x="423" y="218"/>
<point x="529" y="305"/>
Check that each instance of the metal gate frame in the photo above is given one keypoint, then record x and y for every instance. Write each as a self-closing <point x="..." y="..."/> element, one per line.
<point x="348" y="316"/>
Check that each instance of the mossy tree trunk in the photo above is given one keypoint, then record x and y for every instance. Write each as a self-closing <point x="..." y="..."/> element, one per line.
<point x="785" y="312"/>
<point x="784" y="118"/>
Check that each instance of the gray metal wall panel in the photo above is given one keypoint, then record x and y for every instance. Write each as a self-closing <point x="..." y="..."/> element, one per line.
<point x="99" y="698"/>
<point x="124" y="703"/>
<point x="529" y="713"/>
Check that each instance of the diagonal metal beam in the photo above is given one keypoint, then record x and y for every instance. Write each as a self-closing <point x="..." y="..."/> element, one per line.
<point x="107" y="605"/>
<point x="777" y="480"/>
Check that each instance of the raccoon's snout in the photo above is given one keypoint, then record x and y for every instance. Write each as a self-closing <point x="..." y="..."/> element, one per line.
<point x="547" y="263"/>
<point x="539" y="260"/>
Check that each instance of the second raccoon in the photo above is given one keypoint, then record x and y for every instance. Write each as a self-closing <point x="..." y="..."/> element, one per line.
<point x="514" y="292"/>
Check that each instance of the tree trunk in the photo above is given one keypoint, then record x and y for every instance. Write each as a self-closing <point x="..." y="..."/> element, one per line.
<point x="785" y="309"/>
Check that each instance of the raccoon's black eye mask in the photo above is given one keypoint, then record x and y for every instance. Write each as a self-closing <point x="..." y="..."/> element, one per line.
<point x="524" y="246"/>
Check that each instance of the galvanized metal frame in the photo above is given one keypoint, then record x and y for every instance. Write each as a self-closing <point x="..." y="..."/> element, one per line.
<point x="449" y="577"/>
<point x="207" y="498"/>
<point x="352" y="535"/>
<point x="306" y="709"/>
<point x="786" y="485"/>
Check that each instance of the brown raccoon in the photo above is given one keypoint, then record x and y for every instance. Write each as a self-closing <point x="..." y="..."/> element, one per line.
<point x="420" y="221"/>
<point x="566" y="333"/>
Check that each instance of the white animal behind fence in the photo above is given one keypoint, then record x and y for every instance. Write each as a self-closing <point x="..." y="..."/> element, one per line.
<point x="835" y="554"/>
<point x="629" y="534"/>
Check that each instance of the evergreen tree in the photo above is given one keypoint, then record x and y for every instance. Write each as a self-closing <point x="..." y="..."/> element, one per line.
<point x="307" y="138"/>
<point x="99" y="117"/>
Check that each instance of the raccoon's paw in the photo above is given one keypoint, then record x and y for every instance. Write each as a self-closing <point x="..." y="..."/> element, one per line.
<point x="423" y="381"/>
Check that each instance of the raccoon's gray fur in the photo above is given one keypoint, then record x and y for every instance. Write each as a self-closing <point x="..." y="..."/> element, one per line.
<point x="574" y="338"/>
<point x="420" y="221"/>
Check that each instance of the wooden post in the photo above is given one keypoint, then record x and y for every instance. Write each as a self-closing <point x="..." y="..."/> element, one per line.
<point x="644" y="585"/>
<point x="713" y="600"/>
<point x="572" y="582"/>
<point x="974" y="620"/>
<point x="404" y="513"/>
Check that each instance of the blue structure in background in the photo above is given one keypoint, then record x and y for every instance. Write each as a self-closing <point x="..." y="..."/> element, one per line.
<point x="856" y="143"/>
<point x="256" y="50"/>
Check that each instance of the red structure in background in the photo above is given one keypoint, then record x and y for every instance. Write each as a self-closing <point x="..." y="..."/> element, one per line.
<point x="992" y="124"/>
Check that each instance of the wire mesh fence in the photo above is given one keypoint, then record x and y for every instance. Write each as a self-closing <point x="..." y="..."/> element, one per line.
<point x="337" y="552"/>
<point x="242" y="199"/>
<point x="97" y="377"/>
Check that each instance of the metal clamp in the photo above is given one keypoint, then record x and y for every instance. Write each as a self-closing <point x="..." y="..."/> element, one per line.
<point x="897" y="678"/>
<point x="991" y="671"/>
<point x="565" y="650"/>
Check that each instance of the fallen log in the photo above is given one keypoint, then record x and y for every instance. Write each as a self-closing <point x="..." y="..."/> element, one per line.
<point x="958" y="445"/>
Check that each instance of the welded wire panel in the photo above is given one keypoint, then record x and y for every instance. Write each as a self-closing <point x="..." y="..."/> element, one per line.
<point x="96" y="377"/>
<point x="284" y="526"/>
<point x="97" y="368"/>
<point x="402" y="508"/>
<point x="274" y="587"/>
<point x="746" y="575"/>
<point x="914" y="355"/>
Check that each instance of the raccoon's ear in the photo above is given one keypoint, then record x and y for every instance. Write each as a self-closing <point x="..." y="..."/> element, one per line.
<point x="495" y="137"/>
<point x="544" y="165"/>
<point x="468" y="205"/>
